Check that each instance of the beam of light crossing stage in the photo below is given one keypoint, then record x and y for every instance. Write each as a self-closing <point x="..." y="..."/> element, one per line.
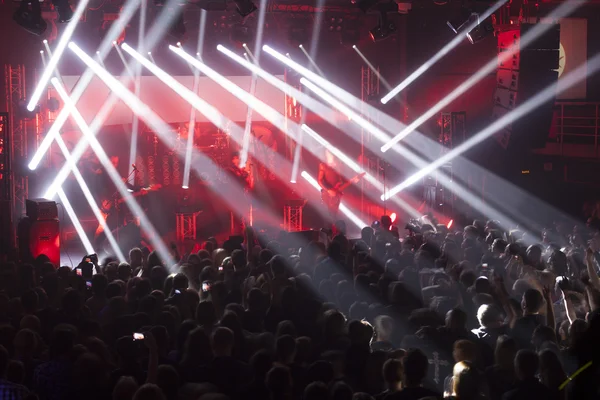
<point x="344" y="96"/>
<point x="195" y="87"/>
<point x="99" y="60"/>
<point x="161" y="128"/>
<point x="125" y="63"/>
<point x="440" y="54"/>
<point x="343" y="208"/>
<point x="358" y="169"/>
<point x="297" y="156"/>
<point x="538" y="29"/>
<point x="58" y="52"/>
<point x="312" y="62"/>
<point x="257" y="45"/>
<point x="89" y="249"/>
<point x="249" y="53"/>
<point x="372" y="68"/>
<point x="401" y="150"/>
<point x="152" y="38"/>
<point x="309" y="102"/>
<point x="574" y="77"/>
<point x="82" y="184"/>
<point x="49" y="51"/>
<point x="83" y="82"/>
<point x="268" y="112"/>
<point x="43" y="57"/>
<point x="138" y="82"/>
<point x="316" y="31"/>
<point x="117" y="87"/>
<point x="378" y="133"/>
<point x="208" y="110"/>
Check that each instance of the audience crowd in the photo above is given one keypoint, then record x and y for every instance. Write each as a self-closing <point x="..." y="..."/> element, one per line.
<point x="469" y="314"/>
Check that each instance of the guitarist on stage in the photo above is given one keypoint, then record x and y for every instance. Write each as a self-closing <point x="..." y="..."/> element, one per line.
<point x="329" y="180"/>
<point x="333" y="183"/>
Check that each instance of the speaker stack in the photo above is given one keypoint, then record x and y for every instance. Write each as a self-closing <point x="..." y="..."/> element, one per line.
<point x="529" y="70"/>
<point x="39" y="231"/>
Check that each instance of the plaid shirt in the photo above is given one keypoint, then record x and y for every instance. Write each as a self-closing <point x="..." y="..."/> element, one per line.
<point x="12" y="391"/>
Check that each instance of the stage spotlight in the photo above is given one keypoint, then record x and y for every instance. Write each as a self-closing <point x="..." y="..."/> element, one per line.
<point x="384" y="29"/>
<point x="149" y="53"/>
<point x="45" y="41"/>
<point x="41" y="51"/>
<point x="460" y="20"/>
<point x="30" y="19"/>
<point x="245" y="7"/>
<point x="393" y="217"/>
<point x="481" y="31"/>
<point x="63" y="8"/>
<point x="300" y="45"/>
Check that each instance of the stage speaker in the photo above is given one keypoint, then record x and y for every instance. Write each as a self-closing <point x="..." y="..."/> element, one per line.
<point x="39" y="237"/>
<point x="41" y="209"/>
<point x="519" y="78"/>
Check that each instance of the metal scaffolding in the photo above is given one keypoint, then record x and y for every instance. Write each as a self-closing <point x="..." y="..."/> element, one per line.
<point x="17" y="141"/>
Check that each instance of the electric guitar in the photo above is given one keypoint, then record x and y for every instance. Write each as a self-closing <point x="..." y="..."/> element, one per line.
<point x="332" y="201"/>
<point x="107" y="205"/>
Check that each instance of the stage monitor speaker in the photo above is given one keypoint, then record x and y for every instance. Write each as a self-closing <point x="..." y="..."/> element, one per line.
<point x="525" y="74"/>
<point x="41" y="209"/>
<point x="39" y="237"/>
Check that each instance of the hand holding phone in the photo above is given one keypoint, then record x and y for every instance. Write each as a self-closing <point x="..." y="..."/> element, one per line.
<point x="206" y="286"/>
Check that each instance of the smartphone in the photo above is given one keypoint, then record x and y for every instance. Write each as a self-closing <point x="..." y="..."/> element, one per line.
<point x="177" y="291"/>
<point x="205" y="286"/>
<point x="484" y="265"/>
<point x="220" y="268"/>
<point x="138" y="336"/>
<point x="79" y="272"/>
<point x="88" y="284"/>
